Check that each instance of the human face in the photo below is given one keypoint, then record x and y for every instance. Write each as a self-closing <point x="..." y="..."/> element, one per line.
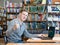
<point x="23" y="16"/>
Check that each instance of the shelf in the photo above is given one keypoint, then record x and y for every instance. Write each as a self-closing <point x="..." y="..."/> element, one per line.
<point x="2" y="17"/>
<point x="53" y="4"/>
<point x="53" y="13"/>
<point x="13" y="7"/>
<point x="55" y="21"/>
<point x="9" y="19"/>
<point x="34" y="21"/>
<point x="4" y="21"/>
<point x="12" y="13"/>
<point x="32" y="4"/>
<point x="36" y="12"/>
<point x="4" y="25"/>
<point x="35" y="29"/>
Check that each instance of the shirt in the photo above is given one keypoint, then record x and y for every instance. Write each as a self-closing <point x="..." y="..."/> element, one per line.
<point x="15" y="35"/>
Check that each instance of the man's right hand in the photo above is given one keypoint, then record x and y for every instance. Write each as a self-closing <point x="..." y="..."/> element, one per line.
<point x="15" y="27"/>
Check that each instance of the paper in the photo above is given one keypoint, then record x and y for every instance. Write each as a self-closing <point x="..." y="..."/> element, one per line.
<point x="36" y="39"/>
<point x="56" y="38"/>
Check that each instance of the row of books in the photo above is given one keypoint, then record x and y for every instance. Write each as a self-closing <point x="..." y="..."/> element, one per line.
<point x="53" y="2"/>
<point x="53" y="17"/>
<point x="13" y="10"/>
<point x="0" y="10"/>
<point x="54" y="8"/>
<point x="11" y="16"/>
<point x="56" y="25"/>
<point x="35" y="31"/>
<point x="2" y="15"/>
<point x="2" y="19"/>
<point x="35" y="8"/>
<point x="10" y="4"/>
<point x="35" y="25"/>
<point x="40" y="2"/>
<point x="36" y="17"/>
<point x="34" y="1"/>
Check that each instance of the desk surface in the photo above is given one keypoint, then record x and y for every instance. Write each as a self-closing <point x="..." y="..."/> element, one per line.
<point x="43" y="41"/>
<point x="56" y="38"/>
<point x="33" y="44"/>
<point x="39" y="42"/>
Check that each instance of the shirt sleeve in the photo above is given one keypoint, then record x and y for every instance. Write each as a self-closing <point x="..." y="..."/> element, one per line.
<point x="9" y="29"/>
<point x="29" y="35"/>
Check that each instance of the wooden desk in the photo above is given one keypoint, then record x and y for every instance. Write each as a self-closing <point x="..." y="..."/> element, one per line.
<point x="38" y="42"/>
<point x="33" y="44"/>
<point x="43" y="41"/>
<point x="56" y="36"/>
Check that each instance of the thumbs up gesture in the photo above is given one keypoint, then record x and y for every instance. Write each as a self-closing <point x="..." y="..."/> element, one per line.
<point x="15" y="26"/>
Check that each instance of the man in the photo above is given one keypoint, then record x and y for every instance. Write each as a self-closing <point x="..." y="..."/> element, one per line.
<point x="17" y="28"/>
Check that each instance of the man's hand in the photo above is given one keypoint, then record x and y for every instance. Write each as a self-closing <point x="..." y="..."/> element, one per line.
<point x="41" y="35"/>
<point x="36" y="38"/>
<point x="15" y="26"/>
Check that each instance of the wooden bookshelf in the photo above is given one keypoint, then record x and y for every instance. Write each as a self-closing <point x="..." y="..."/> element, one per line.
<point x="12" y="13"/>
<point x="34" y="14"/>
<point x="33" y="4"/>
<point x="54" y="13"/>
<point x="11" y="10"/>
<point x="2" y="20"/>
<point x="36" y="21"/>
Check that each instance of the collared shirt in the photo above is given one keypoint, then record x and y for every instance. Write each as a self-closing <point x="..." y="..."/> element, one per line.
<point x="15" y="35"/>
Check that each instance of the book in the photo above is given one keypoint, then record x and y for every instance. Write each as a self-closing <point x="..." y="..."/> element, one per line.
<point x="29" y="17"/>
<point x="10" y="16"/>
<point x="41" y="16"/>
<point x="41" y="8"/>
<point x="33" y="9"/>
<point x="43" y="1"/>
<point x="33" y="17"/>
<point x="37" y="17"/>
<point x="37" y="2"/>
<point x="27" y="8"/>
<point x="49" y="1"/>
<point x="33" y="25"/>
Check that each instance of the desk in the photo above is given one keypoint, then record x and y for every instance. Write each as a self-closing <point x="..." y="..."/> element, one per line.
<point x="43" y="41"/>
<point x="56" y="36"/>
<point x="33" y="44"/>
<point x="38" y="42"/>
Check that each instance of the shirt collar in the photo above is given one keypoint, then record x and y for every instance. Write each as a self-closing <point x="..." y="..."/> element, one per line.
<point x="21" y="23"/>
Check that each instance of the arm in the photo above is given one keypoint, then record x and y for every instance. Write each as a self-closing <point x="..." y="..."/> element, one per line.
<point x="29" y="35"/>
<point x="9" y="29"/>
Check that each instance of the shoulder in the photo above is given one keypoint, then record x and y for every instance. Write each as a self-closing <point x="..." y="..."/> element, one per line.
<point x="13" y="21"/>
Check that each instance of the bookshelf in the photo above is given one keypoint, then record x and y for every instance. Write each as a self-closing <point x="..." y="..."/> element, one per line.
<point x="54" y="14"/>
<point x="2" y="21"/>
<point x="42" y="11"/>
<point x="38" y="11"/>
<point x="10" y="12"/>
<point x="36" y="21"/>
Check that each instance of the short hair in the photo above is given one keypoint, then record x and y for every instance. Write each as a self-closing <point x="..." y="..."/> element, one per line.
<point x="23" y="10"/>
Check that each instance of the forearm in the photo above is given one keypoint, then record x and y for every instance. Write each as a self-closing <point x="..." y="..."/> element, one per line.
<point x="8" y="32"/>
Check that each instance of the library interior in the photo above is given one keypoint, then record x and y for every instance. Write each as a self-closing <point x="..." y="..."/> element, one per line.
<point x="29" y="22"/>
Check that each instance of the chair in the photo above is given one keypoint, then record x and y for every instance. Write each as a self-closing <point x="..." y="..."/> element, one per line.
<point x="5" y="39"/>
